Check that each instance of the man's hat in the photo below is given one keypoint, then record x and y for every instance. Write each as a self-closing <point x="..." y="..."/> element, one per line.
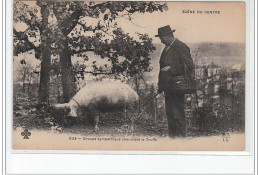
<point x="164" y="31"/>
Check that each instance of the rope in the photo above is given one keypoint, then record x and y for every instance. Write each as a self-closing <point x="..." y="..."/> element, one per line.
<point x="146" y="105"/>
<point x="77" y="103"/>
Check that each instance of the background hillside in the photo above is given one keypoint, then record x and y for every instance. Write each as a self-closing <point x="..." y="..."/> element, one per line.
<point x="225" y="55"/>
<point x="217" y="52"/>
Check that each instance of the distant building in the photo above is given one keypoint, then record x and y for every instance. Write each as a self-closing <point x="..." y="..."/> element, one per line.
<point x="214" y="84"/>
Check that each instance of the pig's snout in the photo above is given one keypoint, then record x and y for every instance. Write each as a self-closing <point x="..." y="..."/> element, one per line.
<point x="72" y="113"/>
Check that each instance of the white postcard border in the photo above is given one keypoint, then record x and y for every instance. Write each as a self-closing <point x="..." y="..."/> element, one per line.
<point x="109" y="162"/>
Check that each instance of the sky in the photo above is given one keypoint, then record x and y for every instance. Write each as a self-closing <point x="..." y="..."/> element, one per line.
<point x="228" y="26"/>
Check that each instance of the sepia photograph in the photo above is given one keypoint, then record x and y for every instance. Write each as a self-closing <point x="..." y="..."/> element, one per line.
<point x="129" y="75"/>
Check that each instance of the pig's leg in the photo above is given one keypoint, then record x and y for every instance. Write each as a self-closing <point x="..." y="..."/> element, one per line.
<point x="126" y="113"/>
<point x="96" y="120"/>
<point x="131" y="124"/>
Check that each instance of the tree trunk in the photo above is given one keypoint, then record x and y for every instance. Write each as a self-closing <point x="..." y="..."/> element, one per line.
<point x="24" y="76"/>
<point x="45" y="76"/>
<point x="67" y="73"/>
<point x="45" y="55"/>
<point x="29" y="82"/>
<point x="66" y="24"/>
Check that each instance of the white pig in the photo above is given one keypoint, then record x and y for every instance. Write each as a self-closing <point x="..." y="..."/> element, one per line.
<point x="99" y="95"/>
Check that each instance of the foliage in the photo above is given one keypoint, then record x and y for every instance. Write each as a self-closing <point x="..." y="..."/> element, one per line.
<point x="108" y="40"/>
<point x="67" y="34"/>
<point x="72" y="25"/>
<point x="204" y="118"/>
<point x="28" y="28"/>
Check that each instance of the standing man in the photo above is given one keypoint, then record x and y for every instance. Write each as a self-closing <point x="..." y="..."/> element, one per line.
<point x="173" y="58"/>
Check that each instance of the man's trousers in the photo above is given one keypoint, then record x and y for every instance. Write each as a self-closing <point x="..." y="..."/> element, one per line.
<point x="174" y="104"/>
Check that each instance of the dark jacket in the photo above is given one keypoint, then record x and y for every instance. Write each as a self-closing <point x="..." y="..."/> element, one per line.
<point x="175" y="57"/>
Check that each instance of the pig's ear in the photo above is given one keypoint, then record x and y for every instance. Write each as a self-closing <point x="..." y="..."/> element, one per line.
<point x="64" y="105"/>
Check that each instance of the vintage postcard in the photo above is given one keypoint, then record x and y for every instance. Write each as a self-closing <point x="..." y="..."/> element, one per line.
<point x="128" y="75"/>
